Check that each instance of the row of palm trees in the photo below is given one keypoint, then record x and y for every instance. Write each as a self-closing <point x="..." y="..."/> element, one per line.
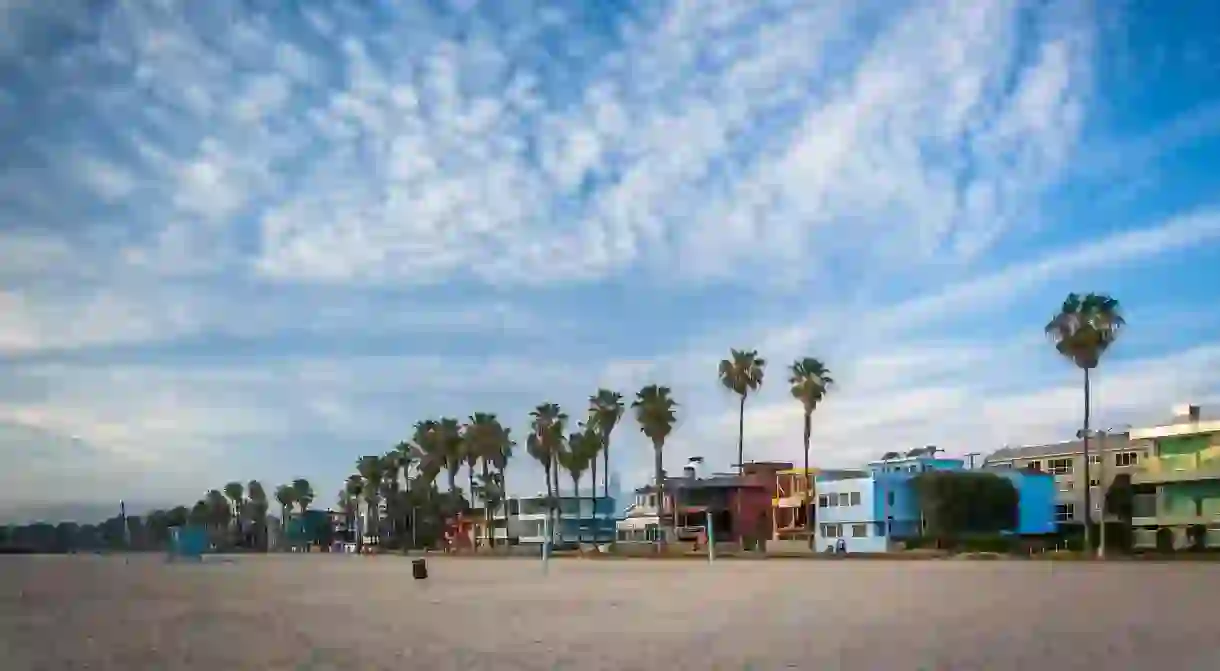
<point x="403" y="479"/>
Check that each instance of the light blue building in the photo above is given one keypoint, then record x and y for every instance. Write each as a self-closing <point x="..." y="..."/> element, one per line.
<point x="869" y="507"/>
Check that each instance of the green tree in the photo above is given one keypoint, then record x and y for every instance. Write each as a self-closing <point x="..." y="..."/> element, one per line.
<point x="741" y="374"/>
<point x="1083" y="330"/>
<point x="606" y="409"/>
<point x="353" y="489"/>
<point x="287" y="498"/>
<point x="576" y="460"/>
<point x="370" y="467"/>
<point x="547" y="422"/>
<point x="236" y="493"/>
<point x="449" y="436"/>
<point x="956" y="503"/>
<point x="484" y="441"/>
<point x="257" y="505"/>
<point x="655" y="411"/>
<point x="809" y="380"/>
<point x="302" y="492"/>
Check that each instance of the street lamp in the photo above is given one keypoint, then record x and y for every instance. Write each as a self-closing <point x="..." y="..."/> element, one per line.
<point x="1101" y="435"/>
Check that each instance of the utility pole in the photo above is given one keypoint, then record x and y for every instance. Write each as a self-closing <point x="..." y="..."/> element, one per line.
<point x="971" y="457"/>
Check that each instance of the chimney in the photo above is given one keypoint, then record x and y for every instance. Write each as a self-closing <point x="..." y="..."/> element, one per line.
<point x="688" y="472"/>
<point x="1186" y="413"/>
<point x="691" y="470"/>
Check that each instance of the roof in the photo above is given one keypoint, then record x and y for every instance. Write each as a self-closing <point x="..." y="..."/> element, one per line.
<point x="1178" y="429"/>
<point x="1116" y="441"/>
<point x="713" y="482"/>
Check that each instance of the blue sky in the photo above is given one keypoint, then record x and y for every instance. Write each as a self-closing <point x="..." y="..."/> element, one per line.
<point x="239" y="245"/>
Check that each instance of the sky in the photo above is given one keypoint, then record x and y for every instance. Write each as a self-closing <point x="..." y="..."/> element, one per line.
<point x="258" y="240"/>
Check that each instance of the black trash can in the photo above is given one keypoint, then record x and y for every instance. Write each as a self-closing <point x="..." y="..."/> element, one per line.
<point x="419" y="569"/>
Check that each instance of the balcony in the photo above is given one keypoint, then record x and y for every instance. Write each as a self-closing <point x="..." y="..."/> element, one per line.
<point x="1202" y="465"/>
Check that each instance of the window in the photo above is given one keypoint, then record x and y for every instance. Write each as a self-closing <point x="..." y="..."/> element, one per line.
<point x="830" y="530"/>
<point x="1094" y="482"/>
<point x="1094" y="459"/>
<point x="1059" y="466"/>
<point x="1035" y="465"/>
<point x="832" y="500"/>
<point x="822" y="501"/>
<point x="855" y="498"/>
<point x="1064" y="512"/>
<point x="844" y="499"/>
<point x="1124" y="459"/>
<point x="1066" y="485"/>
<point x="1005" y="464"/>
<point x="911" y="469"/>
<point x="859" y="531"/>
<point x="889" y="498"/>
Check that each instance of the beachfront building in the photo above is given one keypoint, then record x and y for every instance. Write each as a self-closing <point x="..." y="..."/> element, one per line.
<point x="1109" y="456"/>
<point x="580" y="520"/>
<point x="791" y="503"/>
<point x="1177" y="487"/>
<point x="867" y="510"/>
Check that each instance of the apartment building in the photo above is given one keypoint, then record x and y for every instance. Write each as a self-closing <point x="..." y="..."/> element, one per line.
<point x="1109" y="455"/>
<point x="1178" y="485"/>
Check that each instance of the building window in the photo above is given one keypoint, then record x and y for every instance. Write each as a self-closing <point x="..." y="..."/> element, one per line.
<point x="830" y="530"/>
<point x="1065" y="512"/>
<point x="855" y="498"/>
<point x="1035" y="465"/>
<point x="859" y="531"/>
<point x="1005" y="464"/>
<point x="889" y="498"/>
<point x="844" y="499"/>
<point x="822" y="501"/>
<point x="1094" y="459"/>
<point x="911" y="469"/>
<point x="1066" y="485"/>
<point x="1094" y="482"/>
<point x="1059" y="466"/>
<point x="832" y="500"/>
<point x="1124" y="459"/>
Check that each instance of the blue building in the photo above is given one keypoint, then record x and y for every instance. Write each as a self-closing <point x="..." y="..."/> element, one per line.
<point x="869" y="507"/>
<point x="581" y="520"/>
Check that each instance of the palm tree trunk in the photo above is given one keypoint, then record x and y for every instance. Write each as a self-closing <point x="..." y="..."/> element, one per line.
<point x="593" y="497"/>
<point x="741" y="464"/>
<point x="470" y="482"/>
<point x="605" y="467"/>
<point x="489" y="541"/>
<point x="658" y="467"/>
<point x="1088" y="499"/>
<point x="550" y="500"/>
<point x="558" y="528"/>
<point x="806" y="499"/>
<point x="579" y="518"/>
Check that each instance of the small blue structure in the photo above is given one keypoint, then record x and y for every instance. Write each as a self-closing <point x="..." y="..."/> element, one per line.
<point x="1036" y="510"/>
<point x="189" y="542"/>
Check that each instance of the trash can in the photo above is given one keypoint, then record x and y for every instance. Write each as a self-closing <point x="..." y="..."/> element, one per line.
<point x="419" y="569"/>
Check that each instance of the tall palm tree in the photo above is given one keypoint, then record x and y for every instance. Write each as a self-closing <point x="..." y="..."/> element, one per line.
<point x="469" y="452"/>
<point x="353" y="489"/>
<point x="483" y="437"/>
<point x="741" y="374"/>
<point x="535" y="448"/>
<point x="287" y="498"/>
<point x="449" y="435"/>
<point x="605" y="410"/>
<point x="1083" y="331"/>
<point x="303" y="493"/>
<point x="220" y="514"/>
<point x="370" y="469"/>
<point x="499" y="460"/>
<point x="655" y="410"/>
<point x="548" y="421"/>
<point x="581" y="452"/>
<point x="809" y="379"/>
<point x="257" y="500"/>
<point x="236" y="493"/>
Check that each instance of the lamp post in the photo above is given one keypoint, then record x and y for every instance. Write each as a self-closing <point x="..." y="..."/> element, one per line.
<point x="1101" y="435"/>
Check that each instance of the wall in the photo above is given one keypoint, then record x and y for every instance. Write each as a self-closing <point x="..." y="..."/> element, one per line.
<point x="753" y="519"/>
<point x="848" y="517"/>
<point x="1038" y="492"/>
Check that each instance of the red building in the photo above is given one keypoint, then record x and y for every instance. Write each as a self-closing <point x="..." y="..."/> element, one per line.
<point x="740" y="505"/>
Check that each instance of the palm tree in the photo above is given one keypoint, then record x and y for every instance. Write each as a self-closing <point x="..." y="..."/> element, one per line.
<point x="581" y="452"/>
<point x="352" y="490"/>
<point x="741" y="374"/>
<point x="370" y="469"/>
<point x="469" y="452"/>
<point x="303" y="493"/>
<point x="219" y="513"/>
<point x="810" y="379"/>
<point x="655" y="412"/>
<point x="258" y="512"/>
<point x="236" y="493"/>
<point x="547" y="422"/>
<point x="287" y="498"/>
<point x="535" y="448"/>
<point x="1083" y="331"/>
<point x="483" y="441"/>
<point x="449" y="437"/>
<point x="499" y="460"/>
<point x="606" y="409"/>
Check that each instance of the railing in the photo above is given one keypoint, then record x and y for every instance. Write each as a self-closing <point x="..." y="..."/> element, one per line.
<point x="1183" y="463"/>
